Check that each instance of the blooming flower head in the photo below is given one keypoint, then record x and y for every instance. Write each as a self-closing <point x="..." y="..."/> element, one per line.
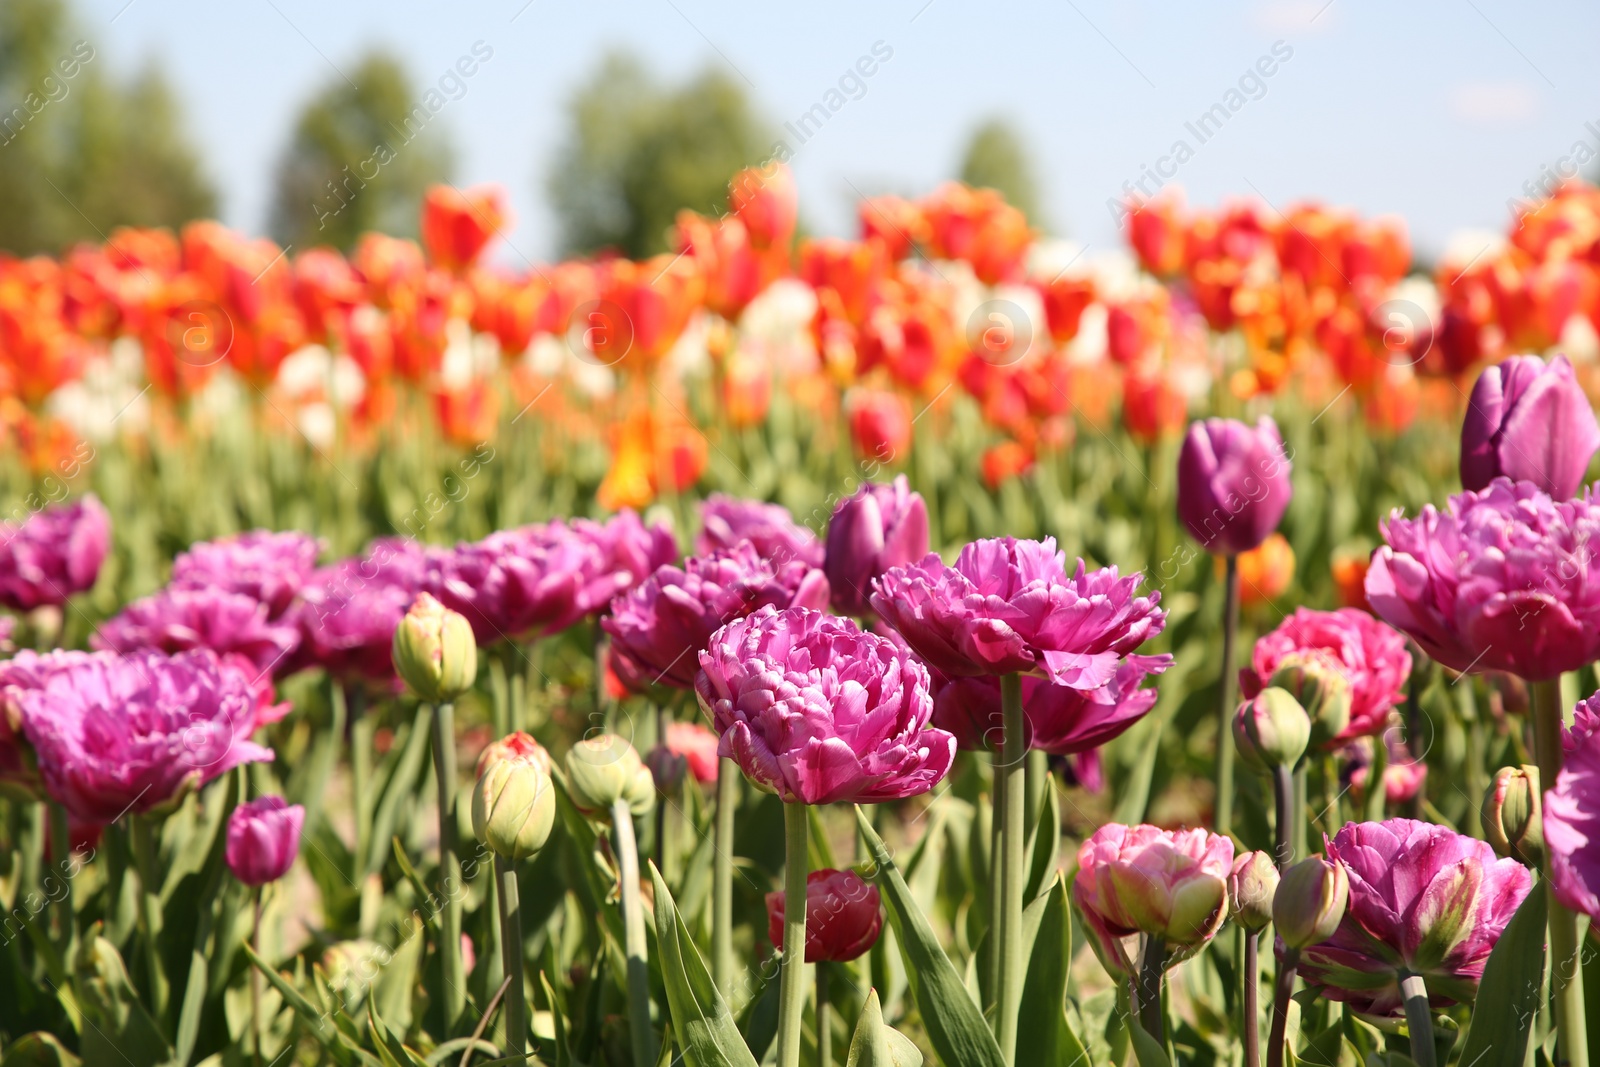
<point x="878" y="527"/>
<point x="531" y="580"/>
<point x="348" y="611"/>
<point x="697" y="745"/>
<point x="659" y="627"/>
<point x="1502" y="579"/>
<point x="1531" y="422"/>
<point x="1585" y="721"/>
<point x="54" y="554"/>
<point x="269" y="567"/>
<point x="844" y="916"/>
<point x="630" y="551"/>
<point x="1572" y="828"/>
<point x="1171" y="884"/>
<point x="1233" y="483"/>
<point x="176" y="620"/>
<point x="1371" y="656"/>
<point x="135" y="732"/>
<point x="1009" y="607"/>
<point x="818" y="712"/>
<point x="725" y="521"/>
<point x="1423" y="899"/>
<point x="263" y="839"/>
<point x="1061" y="720"/>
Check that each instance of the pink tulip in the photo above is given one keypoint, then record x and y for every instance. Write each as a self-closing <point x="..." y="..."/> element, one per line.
<point x="263" y="839"/>
<point x="1529" y="422"/>
<point x="1233" y="483"/>
<point x="844" y="916"/>
<point x="697" y="745"/>
<point x="54" y="554"/>
<point x="1060" y="720"/>
<point x="1572" y="828"/>
<point x="179" y="619"/>
<point x="878" y="527"/>
<point x="1371" y="656"/>
<point x="725" y="521"/>
<point x="266" y="566"/>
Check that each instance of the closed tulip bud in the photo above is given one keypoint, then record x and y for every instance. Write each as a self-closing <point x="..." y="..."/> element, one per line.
<point x="263" y="839"/>
<point x="667" y="768"/>
<point x="1513" y="818"/>
<point x="1322" y="687"/>
<point x="1310" y="902"/>
<point x="1271" y="730"/>
<point x="513" y="806"/>
<point x="1252" y="884"/>
<point x="603" y="770"/>
<point x="434" y="651"/>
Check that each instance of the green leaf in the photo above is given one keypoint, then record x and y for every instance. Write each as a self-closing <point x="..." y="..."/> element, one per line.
<point x="1044" y="844"/>
<point x="955" y="1025"/>
<point x="38" y="1050"/>
<point x="1048" y="1036"/>
<point x="876" y="1043"/>
<point x="117" y="1027"/>
<point x="402" y="784"/>
<point x="425" y="897"/>
<point x="391" y="1050"/>
<point x="705" y="1029"/>
<point x="1146" y="1049"/>
<point x="1508" y="996"/>
<point x="320" y="1027"/>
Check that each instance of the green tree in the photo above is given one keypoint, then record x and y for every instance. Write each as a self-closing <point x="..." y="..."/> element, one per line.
<point x="996" y="159"/>
<point x="637" y="152"/>
<point x="359" y="159"/>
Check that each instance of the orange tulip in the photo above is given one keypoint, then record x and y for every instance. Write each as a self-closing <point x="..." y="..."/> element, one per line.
<point x="746" y="389"/>
<point x="456" y="225"/>
<point x="854" y="270"/>
<point x="1065" y="299"/>
<point x="897" y="223"/>
<point x="645" y="447"/>
<point x="1005" y="461"/>
<point x="732" y="271"/>
<point x="643" y="310"/>
<point x="469" y="414"/>
<point x="1266" y="571"/>
<point x="1350" y="578"/>
<point x="977" y="225"/>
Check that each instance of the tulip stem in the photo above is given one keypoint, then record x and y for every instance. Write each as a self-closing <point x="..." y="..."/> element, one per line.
<point x="824" y="1018"/>
<point x="1252" y="996"/>
<point x="1566" y="974"/>
<point x="722" y="877"/>
<point x="149" y="910"/>
<point x="1419" y="1020"/>
<point x="1011" y="786"/>
<point x="362" y="728"/>
<point x="516" y="1018"/>
<point x="626" y="848"/>
<point x="444" y="773"/>
<point x="1230" y="623"/>
<point x="1297" y="815"/>
<point x="1281" y="993"/>
<point x="791" y="990"/>
<point x="1152" y="974"/>
<point x="255" y="981"/>
<point x="1283" y="803"/>
<point x="61" y="869"/>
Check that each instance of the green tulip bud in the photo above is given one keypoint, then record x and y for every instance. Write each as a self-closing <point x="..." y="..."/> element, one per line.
<point x="1513" y="815"/>
<point x="1271" y="730"/>
<point x="1252" y="884"/>
<point x="1322" y="687"/>
<point x="435" y="651"/>
<point x="603" y="770"/>
<point x="513" y="806"/>
<point x="1310" y="902"/>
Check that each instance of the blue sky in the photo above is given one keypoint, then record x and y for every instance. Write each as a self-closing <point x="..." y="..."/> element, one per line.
<point x="1438" y="112"/>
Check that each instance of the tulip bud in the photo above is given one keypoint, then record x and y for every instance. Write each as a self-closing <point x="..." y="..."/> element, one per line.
<point x="1513" y="819"/>
<point x="515" y="745"/>
<point x="1271" y="730"/>
<point x="513" y="806"/>
<point x="1310" y="902"/>
<point x="263" y="839"/>
<point x="1322" y="687"/>
<point x="1252" y="884"/>
<point x="603" y="770"/>
<point x="434" y="651"/>
<point x="667" y="768"/>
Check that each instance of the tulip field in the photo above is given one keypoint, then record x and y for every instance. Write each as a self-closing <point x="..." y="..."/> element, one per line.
<point x="1179" y="654"/>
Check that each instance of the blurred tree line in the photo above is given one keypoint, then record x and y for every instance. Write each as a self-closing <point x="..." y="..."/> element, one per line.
<point x="82" y="151"/>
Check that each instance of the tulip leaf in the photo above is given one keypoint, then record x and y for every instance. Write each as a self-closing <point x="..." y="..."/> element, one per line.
<point x="302" y="1006"/>
<point x="1048" y="1036"/>
<point x="38" y="1050"/>
<point x="1508" y="995"/>
<point x="705" y="1029"/>
<point x="402" y="784"/>
<point x="877" y="1044"/>
<point x="1146" y="1049"/>
<point x="391" y="1050"/>
<point x="955" y="1026"/>
<point x="1045" y="842"/>
<point x="117" y="1026"/>
<point x="425" y="897"/>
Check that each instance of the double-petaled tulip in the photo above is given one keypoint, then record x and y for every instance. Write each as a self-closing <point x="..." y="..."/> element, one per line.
<point x="267" y="566"/>
<point x="263" y="839"/>
<point x="1320" y="684"/>
<point x="53" y="555"/>
<point x="1505" y="579"/>
<point x="348" y="612"/>
<point x="434" y="651"/>
<point x="604" y="770"/>
<point x="877" y="527"/>
<point x="1572" y="827"/>
<point x="1310" y="902"/>
<point x="1010" y="607"/>
<point x="844" y="916"/>
<point x="725" y="521"/>
<point x="1531" y="422"/>
<point x="658" y="629"/>
<point x="1170" y="884"/>
<point x="1233" y="483"/>
<point x="1271" y="730"/>
<point x="1060" y="720"/>
<point x="1424" y="900"/>
<point x="513" y="802"/>
<point x="817" y="711"/>
<point x="177" y="620"/>
<point x="1513" y="815"/>
<point x="1252" y="885"/>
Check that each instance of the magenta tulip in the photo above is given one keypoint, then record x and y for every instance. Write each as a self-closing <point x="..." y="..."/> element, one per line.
<point x="269" y="567"/>
<point x="1060" y="720"/>
<point x="1572" y="827"/>
<point x="876" y="528"/>
<point x="1372" y="657"/>
<point x="725" y="521"/>
<point x="263" y="839"/>
<point x="630" y="552"/>
<point x="177" y="620"/>
<point x="54" y="554"/>
<point x="818" y="712"/>
<point x="844" y="916"/>
<point x="1531" y="422"/>
<point x="348" y="612"/>
<point x="1233" y="483"/>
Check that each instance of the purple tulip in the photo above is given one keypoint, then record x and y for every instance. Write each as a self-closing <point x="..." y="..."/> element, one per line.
<point x="659" y="627"/>
<point x="1423" y="899"/>
<point x="1060" y="720"/>
<point x="532" y="580"/>
<point x="1009" y="607"/>
<point x="1572" y="827"/>
<point x="348" y="612"/>
<point x="1531" y="422"/>
<point x="176" y="620"/>
<point x="263" y="839"/>
<point x="879" y="527"/>
<point x="817" y="711"/>
<point x="630" y="551"/>
<point x="1585" y="721"/>
<point x="270" y="567"/>
<point x="725" y="521"/>
<point x="136" y="732"/>
<point x="1233" y="483"/>
<point x="54" y="554"/>
<point x="1503" y="579"/>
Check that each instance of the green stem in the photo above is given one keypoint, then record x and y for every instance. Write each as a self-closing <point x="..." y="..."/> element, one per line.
<point x="61" y="868"/>
<point x="1297" y="816"/>
<point x="255" y="982"/>
<point x="722" y="962"/>
<point x="1252" y="994"/>
<point x="1283" y="989"/>
<point x="1011" y="788"/>
<point x="626" y="849"/>
<point x="1230" y="623"/>
<point x="1419" y="1020"/>
<point x="149" y="909"/>
<point x="516" y="1013"/>
<point x="1566" y="972"/>
<point x="991" y="944"/>
<point x="362" y="728"/>
<point x="1283" y="805"/>
<point x="1152" y="975"/>
<point x="791" y="989"/>
<point x="444" y="773"/>
<point x="824" y="1019"/>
